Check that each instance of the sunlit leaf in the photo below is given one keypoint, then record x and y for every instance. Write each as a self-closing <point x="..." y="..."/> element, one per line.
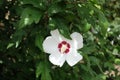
<point x="10" y="45"/>
<point x="29" y="16"/>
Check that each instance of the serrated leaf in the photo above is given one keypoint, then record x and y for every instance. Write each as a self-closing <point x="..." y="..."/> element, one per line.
<point x="29" y="16"/>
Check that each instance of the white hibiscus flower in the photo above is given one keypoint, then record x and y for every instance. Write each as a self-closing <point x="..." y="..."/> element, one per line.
<point x="62" y="49"/>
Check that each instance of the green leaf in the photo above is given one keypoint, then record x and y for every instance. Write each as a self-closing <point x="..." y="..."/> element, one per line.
<point x="52" y="24"/>
<point x="109" y="65"/>
<point x="69" y="16"/>
<point x="10" y="45"/>
<point x="103" y="23"/>
<point x="18" y="35"/>
<point x="94" y="60"/>
<point x="39" y="69"/>
<point x="17" y="44"/>
<point x="83" y="12"/>
<point x="88" y="49"/>
<point x="46" y="75"/>
<point x="89" y="69"/>
<point x="39" y="41"/>
<point x="117" y="61"/>
<point x="36" y="3"/>
<point x="42" y="69"/>
<point x="54" y="8"/>
<point x="87" y="26"/>
<point x="100" y="77"/>
<point x="62" y="25"/>
<point x="29" y="16"/>
<point x="115" y="52"/>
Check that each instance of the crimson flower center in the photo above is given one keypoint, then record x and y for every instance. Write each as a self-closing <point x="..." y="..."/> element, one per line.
<point x="64" y="47"/>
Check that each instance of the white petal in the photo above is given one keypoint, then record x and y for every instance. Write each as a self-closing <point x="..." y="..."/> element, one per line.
<point x="77" y="39"/>
<point x="57" y="59"/>
<point x="50" y="45"/>
<point x="73" y="58"/>
<point x="56" y="35"/>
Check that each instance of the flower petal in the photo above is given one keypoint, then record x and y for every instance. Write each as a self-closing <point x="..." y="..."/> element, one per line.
<point x="73" y="57"/>
<point x="50" y="45"/>
<point x="57" y="59"/>
<point x="77" y="39"/>
<point x="56" y="35"/>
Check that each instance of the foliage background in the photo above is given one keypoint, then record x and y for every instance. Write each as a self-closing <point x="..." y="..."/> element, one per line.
<point x="24" y="24"/>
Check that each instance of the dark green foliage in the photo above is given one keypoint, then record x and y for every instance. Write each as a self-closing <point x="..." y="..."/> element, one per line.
<point x="24" y="24"/>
